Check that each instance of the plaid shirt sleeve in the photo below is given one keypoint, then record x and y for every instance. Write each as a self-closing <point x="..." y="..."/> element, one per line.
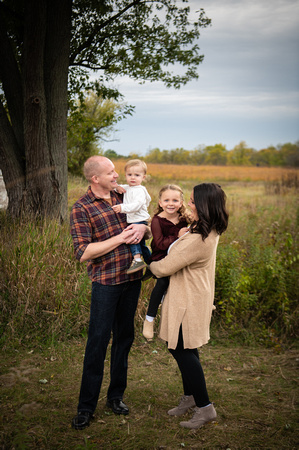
<point x="93" y="220"/>
<point x="80" y="230"/>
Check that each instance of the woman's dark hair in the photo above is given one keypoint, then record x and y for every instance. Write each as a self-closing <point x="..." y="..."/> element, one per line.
<point x="209" y="200"/>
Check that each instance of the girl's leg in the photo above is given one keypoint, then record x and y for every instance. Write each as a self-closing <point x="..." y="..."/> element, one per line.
<point x="157" y="295"/>
<point x="155" y="300"/>
<point x="146" y="253"/>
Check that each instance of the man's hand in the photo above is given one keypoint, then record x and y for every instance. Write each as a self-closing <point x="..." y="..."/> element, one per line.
<point x="130" y="235"/>
<point x="137" y="232"/>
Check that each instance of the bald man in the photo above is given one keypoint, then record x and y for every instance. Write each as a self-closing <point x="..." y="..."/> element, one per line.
<point x="102" y="237"/>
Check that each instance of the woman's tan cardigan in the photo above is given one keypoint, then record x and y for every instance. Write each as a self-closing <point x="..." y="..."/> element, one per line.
<point x="190" y="295"/>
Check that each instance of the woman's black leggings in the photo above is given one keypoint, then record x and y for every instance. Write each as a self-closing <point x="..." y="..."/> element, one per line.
<point x="192" y="374"/>
<point x="159" y="290"/>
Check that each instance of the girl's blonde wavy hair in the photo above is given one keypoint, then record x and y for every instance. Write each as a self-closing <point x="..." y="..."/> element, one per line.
<point x="183" y="213"/>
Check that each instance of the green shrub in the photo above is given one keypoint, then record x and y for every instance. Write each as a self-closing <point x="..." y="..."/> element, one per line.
<point x="257" y="281"/>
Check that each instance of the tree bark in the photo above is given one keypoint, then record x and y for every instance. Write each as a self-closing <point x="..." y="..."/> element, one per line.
<point x="12" y="165"/>
<point x="33" y="153"/>
<point x="56" y="81"/>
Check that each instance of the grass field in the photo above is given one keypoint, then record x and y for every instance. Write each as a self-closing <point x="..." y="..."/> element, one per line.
<point x="255" y="391"/>
<point x="251" y="362"/>
<point x="211" y="173"/>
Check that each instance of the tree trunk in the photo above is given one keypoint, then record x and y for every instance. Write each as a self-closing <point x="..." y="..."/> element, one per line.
<point x="56" y="82"/>
<point x="12" y="165"/>
<point x="34" y="167"/>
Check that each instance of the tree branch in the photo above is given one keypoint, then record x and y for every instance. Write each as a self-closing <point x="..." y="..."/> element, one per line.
<point x="88" y="42"/>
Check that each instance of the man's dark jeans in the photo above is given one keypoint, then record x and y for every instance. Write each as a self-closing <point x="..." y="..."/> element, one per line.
<point x="112" y="308"/>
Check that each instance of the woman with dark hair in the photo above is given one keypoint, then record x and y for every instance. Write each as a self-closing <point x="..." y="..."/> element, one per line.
<point x="188" y="304"/>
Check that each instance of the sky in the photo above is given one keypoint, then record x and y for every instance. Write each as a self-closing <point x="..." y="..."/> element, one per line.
<point x="248" y="86"/>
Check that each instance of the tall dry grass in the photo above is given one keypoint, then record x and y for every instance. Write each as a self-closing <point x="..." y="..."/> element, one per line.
<point x="211" y="173"/>
<point x="44" y="291"/>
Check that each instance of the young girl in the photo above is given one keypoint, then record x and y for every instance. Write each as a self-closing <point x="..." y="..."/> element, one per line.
<point x="168" y="224"/>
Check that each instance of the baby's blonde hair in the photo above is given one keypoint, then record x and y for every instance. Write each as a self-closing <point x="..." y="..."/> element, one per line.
<point x="136" y="162"/>
<point x="184" y="214"/>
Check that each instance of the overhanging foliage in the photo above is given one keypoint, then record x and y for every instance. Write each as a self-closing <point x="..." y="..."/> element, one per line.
<point x="48" y="49"/>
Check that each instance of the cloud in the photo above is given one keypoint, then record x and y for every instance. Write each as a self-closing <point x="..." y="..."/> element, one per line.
<point x="251" y="30"/>
<point x="248" y="87"/>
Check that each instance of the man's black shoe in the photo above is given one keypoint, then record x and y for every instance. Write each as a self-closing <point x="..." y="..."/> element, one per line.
<point x="118" y="406"/>
<point x="82" y="420"/>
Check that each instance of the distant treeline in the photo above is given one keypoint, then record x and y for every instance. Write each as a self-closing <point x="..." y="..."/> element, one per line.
<point x="286" y="155"/>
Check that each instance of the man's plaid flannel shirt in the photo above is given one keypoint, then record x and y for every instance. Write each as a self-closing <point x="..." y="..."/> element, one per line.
<point x="93" y="220"/>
